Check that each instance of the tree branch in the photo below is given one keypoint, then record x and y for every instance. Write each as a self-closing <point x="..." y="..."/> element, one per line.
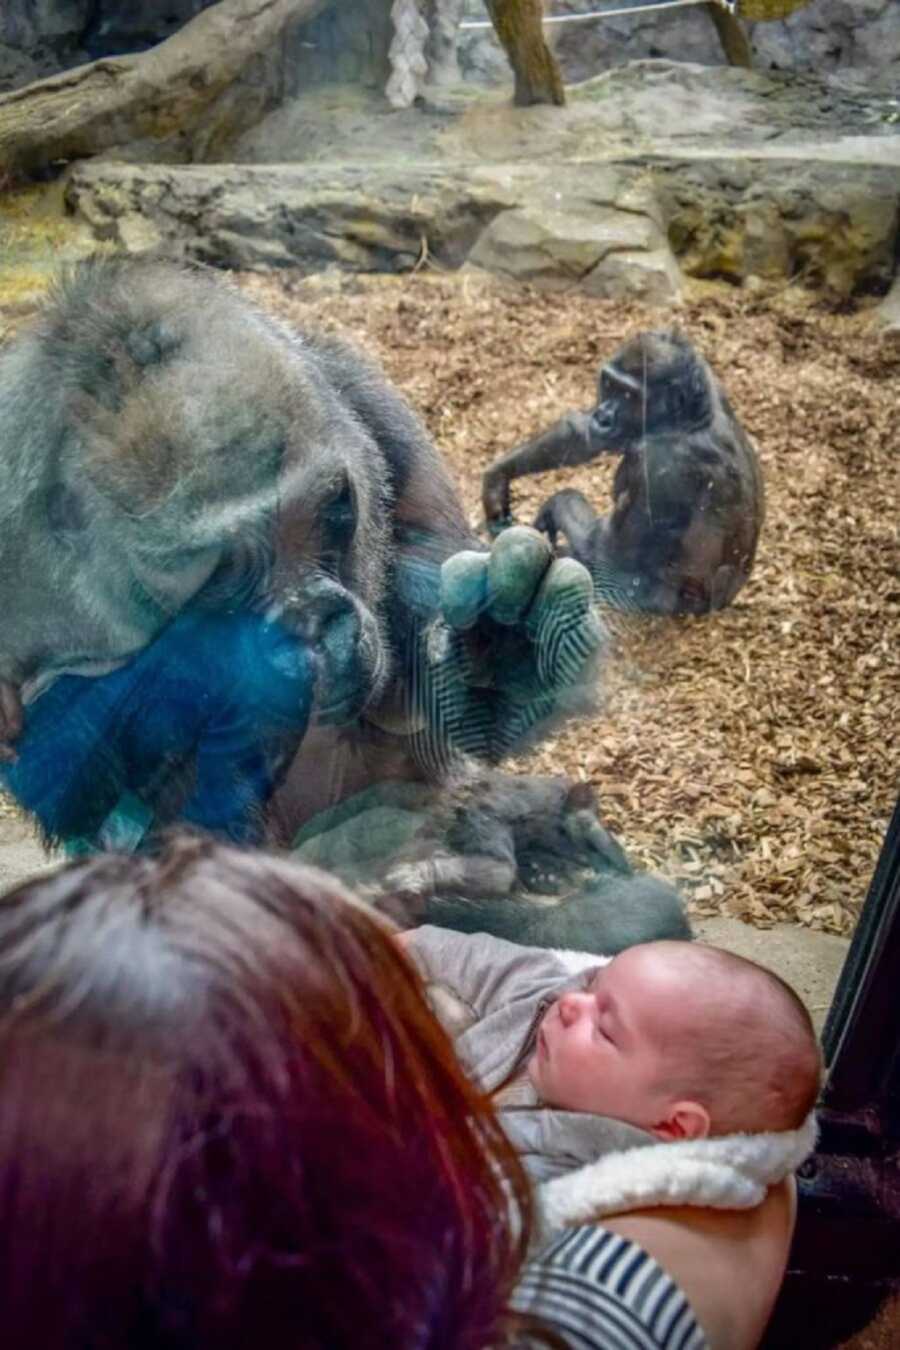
<point x="154" y="95"/>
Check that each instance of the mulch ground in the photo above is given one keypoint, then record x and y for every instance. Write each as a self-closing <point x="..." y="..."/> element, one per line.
<point x="750" y="756"/>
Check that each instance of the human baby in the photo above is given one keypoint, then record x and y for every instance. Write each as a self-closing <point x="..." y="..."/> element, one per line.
<point x="667" y="1042"/>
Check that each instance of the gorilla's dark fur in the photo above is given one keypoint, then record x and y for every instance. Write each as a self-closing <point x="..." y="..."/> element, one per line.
<point x="223" y="590"/>
<point x="523" y="857"/>
<point x="688" y="499"/>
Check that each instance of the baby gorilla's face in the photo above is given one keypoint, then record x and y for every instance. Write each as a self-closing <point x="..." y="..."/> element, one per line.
<point x="603" y="1049"/>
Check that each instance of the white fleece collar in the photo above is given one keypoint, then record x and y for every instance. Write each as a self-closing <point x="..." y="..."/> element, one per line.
<point x="730" y="1172"/>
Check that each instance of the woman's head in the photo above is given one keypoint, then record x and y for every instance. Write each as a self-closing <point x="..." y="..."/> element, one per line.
<point x="227" y="1117"/>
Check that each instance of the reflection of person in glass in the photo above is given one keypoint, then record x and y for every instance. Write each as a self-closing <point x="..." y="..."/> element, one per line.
<point x="688" y="501"/>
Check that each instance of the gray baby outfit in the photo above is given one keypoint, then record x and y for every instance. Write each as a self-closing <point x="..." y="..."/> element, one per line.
<point x="490" y="995"/>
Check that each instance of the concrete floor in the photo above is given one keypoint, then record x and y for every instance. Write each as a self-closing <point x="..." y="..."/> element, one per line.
<point x="21" y="854"/>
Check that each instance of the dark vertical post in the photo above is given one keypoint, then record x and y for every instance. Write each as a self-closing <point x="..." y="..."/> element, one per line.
<point x="732" y="35"/>
<point x="519" y="25"/>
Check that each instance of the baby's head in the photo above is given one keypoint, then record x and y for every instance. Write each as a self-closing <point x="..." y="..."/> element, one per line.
<point x="682" y="1040"/>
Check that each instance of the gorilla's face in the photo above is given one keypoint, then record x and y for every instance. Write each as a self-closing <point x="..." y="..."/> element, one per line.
<point x="126" y="500"/>
<point x="654" y="384"/>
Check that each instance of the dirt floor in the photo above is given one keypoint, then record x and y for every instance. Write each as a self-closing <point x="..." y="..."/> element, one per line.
<point x="747" y="756"/>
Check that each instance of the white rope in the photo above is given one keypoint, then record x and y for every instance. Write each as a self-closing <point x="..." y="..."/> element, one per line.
<point x="407" y="54"/>
<point x="637" y="7"/>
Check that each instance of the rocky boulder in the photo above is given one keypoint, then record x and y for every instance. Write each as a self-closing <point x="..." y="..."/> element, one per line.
<point x="620" y="193"/>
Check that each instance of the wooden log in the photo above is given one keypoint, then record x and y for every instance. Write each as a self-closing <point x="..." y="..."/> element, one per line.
<point x="153" y="96"/>
<point x="519" y="26"/>
<point x="732" y="36"/>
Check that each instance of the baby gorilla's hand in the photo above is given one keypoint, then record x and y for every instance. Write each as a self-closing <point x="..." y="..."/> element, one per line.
<point x="10" y="720"/>
<point x="514" y="646"/>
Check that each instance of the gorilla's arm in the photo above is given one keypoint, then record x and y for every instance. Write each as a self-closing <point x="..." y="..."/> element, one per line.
<point x="612" y="913"/>
<point x="567" y="443"/>
<point x="513" y="648"/>
<point x="569" y="513"/>
<point x="488" y="645"/>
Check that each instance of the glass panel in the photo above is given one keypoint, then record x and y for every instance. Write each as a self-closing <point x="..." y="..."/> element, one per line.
<point x="862" y="1034"/>
<point x="368" y="175"/>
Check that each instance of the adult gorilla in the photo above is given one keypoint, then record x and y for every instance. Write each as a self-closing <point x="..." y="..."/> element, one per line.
<point x="224" y="565"/>
<point x="236" y="583"/>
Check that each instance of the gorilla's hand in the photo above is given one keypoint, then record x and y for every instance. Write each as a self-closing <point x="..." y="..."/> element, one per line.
<point x="350" y="651"/>
<point x="10" y="720"/>
<point x="514" y="646"/>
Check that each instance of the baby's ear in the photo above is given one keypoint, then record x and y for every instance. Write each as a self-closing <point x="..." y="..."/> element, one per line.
<point x="683" y="1120"/>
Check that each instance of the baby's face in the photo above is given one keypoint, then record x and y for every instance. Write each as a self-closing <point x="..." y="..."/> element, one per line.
<point x="603" y="1049"/>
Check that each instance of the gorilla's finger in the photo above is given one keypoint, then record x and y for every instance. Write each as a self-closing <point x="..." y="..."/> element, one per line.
<point x="464" y="588"/>
<point x="563" y="625"/>
<point x="565" y="596"/>
<point x="519" y="560"/>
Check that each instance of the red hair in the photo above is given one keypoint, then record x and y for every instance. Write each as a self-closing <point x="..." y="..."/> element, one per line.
<point x="227" y="1117"/>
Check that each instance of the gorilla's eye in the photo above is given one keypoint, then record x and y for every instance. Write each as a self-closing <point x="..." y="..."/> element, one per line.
<point x="339" y="517"/>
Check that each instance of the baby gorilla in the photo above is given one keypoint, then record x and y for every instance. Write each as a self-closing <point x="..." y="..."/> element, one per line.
<point x="688" y="500"/>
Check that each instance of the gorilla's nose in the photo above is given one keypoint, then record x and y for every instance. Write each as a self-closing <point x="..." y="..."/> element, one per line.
<point x="603" y="421"/>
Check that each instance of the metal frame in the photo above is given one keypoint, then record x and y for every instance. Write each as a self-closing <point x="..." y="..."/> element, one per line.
<point x="846" y="1254"/>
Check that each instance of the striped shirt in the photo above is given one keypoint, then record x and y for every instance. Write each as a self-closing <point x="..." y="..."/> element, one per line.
<point x="598" y="1291"/>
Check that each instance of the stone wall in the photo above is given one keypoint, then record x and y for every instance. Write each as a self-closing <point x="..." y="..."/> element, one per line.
<point x="41" y="37"/>
<point x="348" y="42"/>
<point x="827" y="35"/>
